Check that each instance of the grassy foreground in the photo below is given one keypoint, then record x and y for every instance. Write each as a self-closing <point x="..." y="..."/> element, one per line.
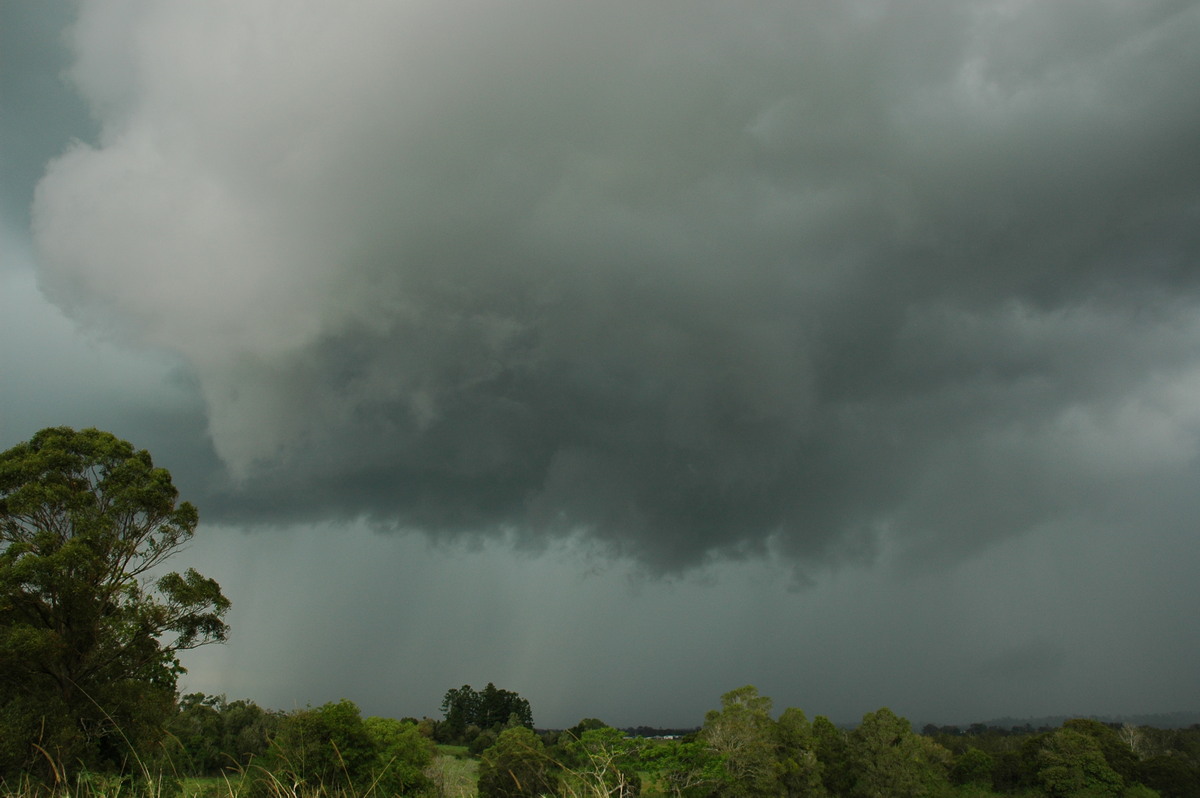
<point x="452" y="771"/>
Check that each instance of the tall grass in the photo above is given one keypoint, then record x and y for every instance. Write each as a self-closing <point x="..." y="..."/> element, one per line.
<point x="452" y="774"/>
<point x="452" y="777"/>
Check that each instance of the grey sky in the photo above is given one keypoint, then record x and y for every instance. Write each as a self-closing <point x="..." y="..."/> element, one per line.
<point x="624" y="354"/>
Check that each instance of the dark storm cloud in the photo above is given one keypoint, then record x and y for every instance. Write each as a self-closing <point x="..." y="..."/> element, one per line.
<point x="692" y="280"/>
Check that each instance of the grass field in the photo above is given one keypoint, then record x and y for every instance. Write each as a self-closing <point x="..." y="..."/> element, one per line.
<point x="453" y="771"/>
<point x="453" y="774"/>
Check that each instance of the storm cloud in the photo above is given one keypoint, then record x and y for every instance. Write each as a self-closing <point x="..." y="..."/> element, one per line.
<point x="685" y="281"/>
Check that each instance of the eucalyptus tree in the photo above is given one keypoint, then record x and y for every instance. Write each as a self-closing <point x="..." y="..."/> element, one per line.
<point x="90" y="626"/>
<point x="743" y="736"/>
<point x="603" y="763"/>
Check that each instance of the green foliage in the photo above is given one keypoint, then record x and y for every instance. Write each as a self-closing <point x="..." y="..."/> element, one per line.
<point x="980" y="791"/>
<point x="683" y="768"/>
<point x="517" y="766"/>
<point x="891" y="761"/>
<point x="585" y="725"/>
<point x="800" y="770"/>
<point x="1117" y="753"/>
<point x="88" y="641"/>
<point x="742" y="735"/>
<point x="1073" y="766"/>
<point x="603" y="763"/>
<point x="488" y="709"/>
<point x="1183" y="743"/>
<point x="333" y="749"/>
<point x="1172" y="776"/>
<point x="1017" y="769"/>
<point x="833" y="752"/>
<point x="328" y="745"/>
<point x="973" y="767"/>
<point x="402" y="756"/>
<point x="461" y="707"/>
<point x="479" y="740"/>
<point x="454" y="776"/>
<point x="209" y="734"/>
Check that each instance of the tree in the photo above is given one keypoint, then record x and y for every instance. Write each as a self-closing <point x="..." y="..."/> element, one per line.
<point x="742" y="734"/>
<point x="487" y="709"/>
<point x="604" y="763"/>
<point x="833" y="752"/>
<point x="210" y="735"/>
<point x="1115" y="750"/>
<point x="197" y="733"/>
<point x="517" y="766"/>
<point x="248" y="729"/>
<point x="973" y="766"/>
<point x="461" y="707"/>
<point x="1073" y="766"/>
<point x="498" y="708"/>
<point x="88" y="637"/>
<point x="1173" y="776"/>
<point x="1132" y="736"/>
<point x="332" y="749"/>
<point x="403" y="756"/>
<point x="891" y="761"/>
<point x="800" y="769"/>
<point x="684" y="768"/>
<point x="584" y="725"/>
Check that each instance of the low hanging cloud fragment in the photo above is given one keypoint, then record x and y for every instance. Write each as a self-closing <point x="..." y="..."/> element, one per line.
<point x="688" y="280"/>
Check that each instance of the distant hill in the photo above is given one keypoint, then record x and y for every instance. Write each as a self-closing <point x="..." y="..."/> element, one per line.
<point x="1162" y="720"/>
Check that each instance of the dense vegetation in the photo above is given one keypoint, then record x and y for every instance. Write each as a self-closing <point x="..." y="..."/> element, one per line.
<point x="88" y="639"/>
<point x="742" y="750"/>
<point x="475" y="718"/>
<point x="89" y="707"/>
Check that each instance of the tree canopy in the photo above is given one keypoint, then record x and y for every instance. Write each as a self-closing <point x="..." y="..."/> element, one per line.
<point x="892" y="761"/>
<point x="489" y="708"/>
<point x="742" y="734"/>
<point x="332" y="747"/>
<point x="517" y="766"/>
<point x="90" y="627"/>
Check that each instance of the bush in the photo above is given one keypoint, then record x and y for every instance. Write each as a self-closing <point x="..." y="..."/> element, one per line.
<point x="333" y="749"/>
<point x="973" y="767"/>
<point x="517" y="766"/>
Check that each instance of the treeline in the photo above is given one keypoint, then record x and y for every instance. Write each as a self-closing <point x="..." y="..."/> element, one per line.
<point x="474" y="718"/>
<point x="330" y="749"/>
<point x="655" y="731"/>
<point x="743" y="750"/>
<point x="211" y="735"/>
<point x="1166" y="760"/>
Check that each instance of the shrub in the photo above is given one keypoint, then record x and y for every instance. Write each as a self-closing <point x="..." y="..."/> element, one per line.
<point x="332" y="749"/>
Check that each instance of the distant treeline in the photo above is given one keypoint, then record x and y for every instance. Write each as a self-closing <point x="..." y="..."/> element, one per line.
<point x="742" y="750"/>
<point x="1160" y="720"/>
<point x="651" y="731"/>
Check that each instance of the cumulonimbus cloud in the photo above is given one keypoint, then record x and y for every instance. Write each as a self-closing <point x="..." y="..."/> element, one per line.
<point x="690" y="279"/>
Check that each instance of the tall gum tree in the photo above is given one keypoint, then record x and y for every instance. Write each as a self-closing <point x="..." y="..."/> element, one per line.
<point x="743" y="736"/>
<point x="89" y="630"/>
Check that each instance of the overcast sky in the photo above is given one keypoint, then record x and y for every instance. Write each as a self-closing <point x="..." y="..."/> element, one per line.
<point x="624" y="353"/>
